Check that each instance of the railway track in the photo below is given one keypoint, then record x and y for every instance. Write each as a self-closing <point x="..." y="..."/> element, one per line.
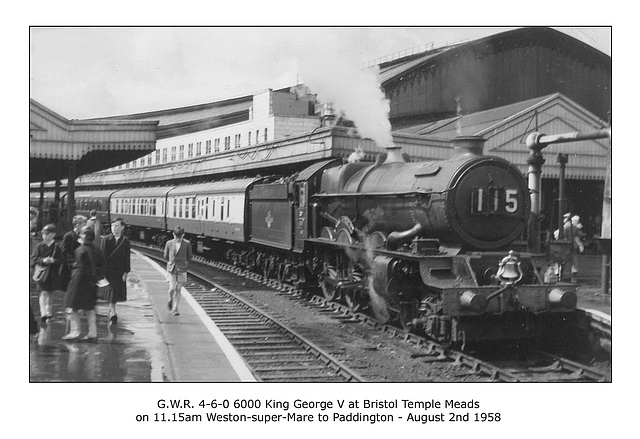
<point x="276" y="352"/>
<point x="273" y="351"/>
<point x="538" y="366"/>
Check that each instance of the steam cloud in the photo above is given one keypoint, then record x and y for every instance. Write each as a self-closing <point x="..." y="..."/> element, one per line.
<point x="334" y="73"/>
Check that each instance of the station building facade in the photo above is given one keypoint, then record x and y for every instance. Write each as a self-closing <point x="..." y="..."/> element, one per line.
<point x="203" y="130"/>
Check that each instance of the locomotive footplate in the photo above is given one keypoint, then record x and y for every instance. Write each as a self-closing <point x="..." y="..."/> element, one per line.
<point x="378" y="251"/>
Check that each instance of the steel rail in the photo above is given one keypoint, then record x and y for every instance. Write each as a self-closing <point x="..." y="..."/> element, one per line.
<point x="324" y="358"/>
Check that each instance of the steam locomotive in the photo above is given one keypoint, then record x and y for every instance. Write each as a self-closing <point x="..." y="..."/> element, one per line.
<point x="430" y="245"/>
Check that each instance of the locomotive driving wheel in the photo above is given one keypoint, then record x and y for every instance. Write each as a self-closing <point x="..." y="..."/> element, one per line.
<point x="328" y="283"/>
<point x="355" y="298"/>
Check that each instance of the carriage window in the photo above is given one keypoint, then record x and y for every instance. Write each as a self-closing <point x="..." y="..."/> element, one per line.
<point x="180" y="209"/>
<point x="175" y="208"/>
<point x="193" y="207"/>
<point x="222" y="209"/>
<point x="228" y="206"/>
<point x="187" y="201"/>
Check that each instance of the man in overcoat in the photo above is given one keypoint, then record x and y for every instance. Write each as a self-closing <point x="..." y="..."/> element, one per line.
<point x="177" y="253"/>
<point x="117" y="253"/>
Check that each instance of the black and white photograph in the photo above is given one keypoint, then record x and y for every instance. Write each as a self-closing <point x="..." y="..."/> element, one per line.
<point x="312" y="229"/>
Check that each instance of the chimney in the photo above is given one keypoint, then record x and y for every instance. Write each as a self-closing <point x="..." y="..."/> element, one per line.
<point x="468" y="145"/>
<point x="394" y="155"/>
<point x="326" y="112"/>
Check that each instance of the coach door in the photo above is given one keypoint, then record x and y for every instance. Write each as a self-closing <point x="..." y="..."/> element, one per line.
<point x="200" y="212"/>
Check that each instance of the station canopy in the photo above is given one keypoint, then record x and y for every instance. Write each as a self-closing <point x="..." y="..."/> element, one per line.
<point x="56" y="143"/>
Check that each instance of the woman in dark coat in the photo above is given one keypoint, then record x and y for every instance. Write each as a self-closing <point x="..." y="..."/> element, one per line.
<point x="47" y="253"/>
<point x="117" y="253"/>
<point x="81" y="293"/>
<point x="68" y="246"/>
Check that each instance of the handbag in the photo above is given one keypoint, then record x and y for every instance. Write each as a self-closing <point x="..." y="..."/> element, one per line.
<point x="40" y="273"/>
<point x="104" y="291"/>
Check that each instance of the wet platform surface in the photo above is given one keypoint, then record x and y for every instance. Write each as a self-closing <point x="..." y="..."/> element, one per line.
<point x="130" y="351"/>
<point x="148" y="344"/>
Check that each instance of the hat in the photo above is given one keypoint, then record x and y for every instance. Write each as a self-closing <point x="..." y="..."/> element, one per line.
<point x="78" y="219"/>
<point x="89" y="234"/>
<point x="575" y="221"/>
<point x="49" y="228"/>
<point x="178" y="231"/>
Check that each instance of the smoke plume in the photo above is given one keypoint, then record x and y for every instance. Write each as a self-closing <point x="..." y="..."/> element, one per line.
<point x="333" y="71"/>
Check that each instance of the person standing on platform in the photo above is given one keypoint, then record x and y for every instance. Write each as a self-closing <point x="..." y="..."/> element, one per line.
<point x="47" y="254"/>
<point x="95" y="223"/>
<point x="177" y="253"/>
<point x="117" y="253"/>
<point x="81" y="293"/>
<point x="33" y="221"/>
<point x="70" y="242"/>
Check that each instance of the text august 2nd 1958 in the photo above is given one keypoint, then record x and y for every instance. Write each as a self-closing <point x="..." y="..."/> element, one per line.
<point x="339" y="410"/>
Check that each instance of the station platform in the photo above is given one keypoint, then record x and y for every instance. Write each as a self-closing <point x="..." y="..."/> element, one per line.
<point x="148" y="344"/>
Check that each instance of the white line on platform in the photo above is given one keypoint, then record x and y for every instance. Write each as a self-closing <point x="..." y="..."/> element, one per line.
<point x="232" y="355"/>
